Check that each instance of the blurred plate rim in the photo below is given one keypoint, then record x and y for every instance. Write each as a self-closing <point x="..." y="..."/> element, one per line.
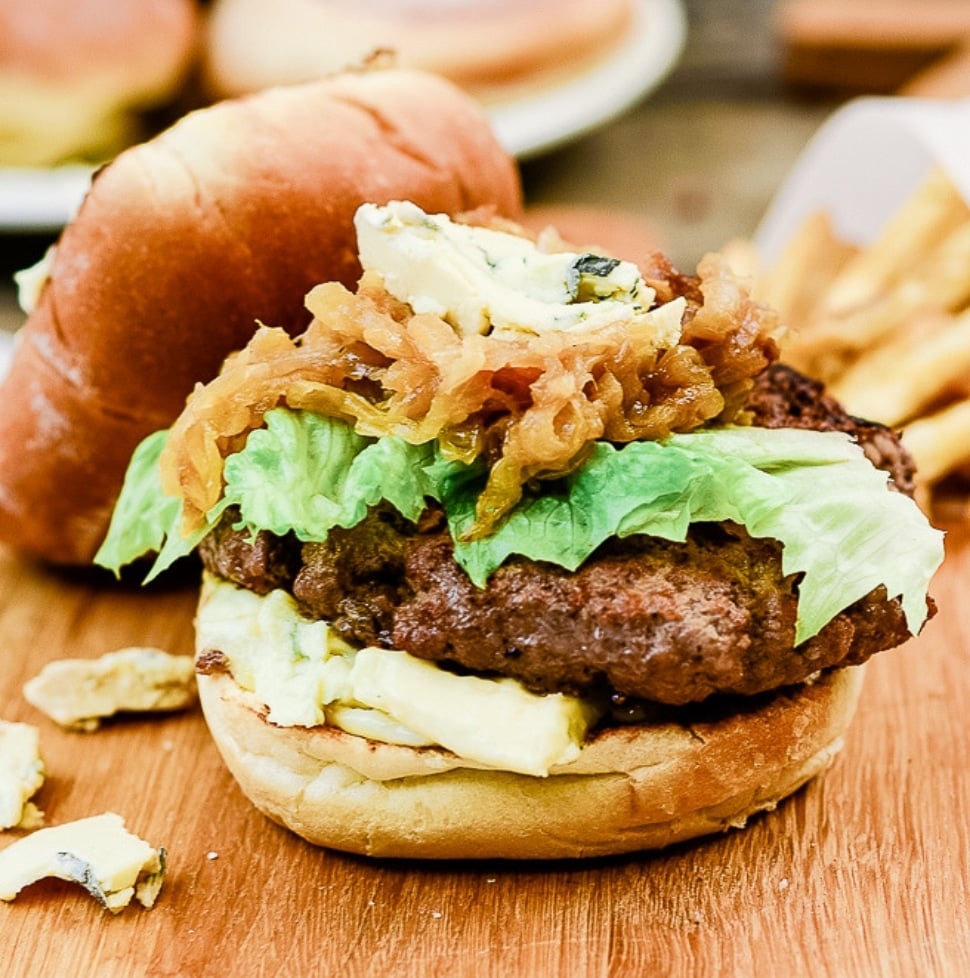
<point x="41" y="199"/>
<point x="538" y="123"/>
<point x="44" y="199"/>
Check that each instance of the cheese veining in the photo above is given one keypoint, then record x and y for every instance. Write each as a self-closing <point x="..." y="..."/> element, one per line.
<point x="111" y="863"/>
<point x="486" y="281"/>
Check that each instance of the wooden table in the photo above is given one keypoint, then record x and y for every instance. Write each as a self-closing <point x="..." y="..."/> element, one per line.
<point x="864" y="873"/>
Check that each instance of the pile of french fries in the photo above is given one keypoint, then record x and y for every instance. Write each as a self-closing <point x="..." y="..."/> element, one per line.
<point x="886" y="326"/>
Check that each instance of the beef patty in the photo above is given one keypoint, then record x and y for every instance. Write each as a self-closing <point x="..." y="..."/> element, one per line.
<point x="643" y="618"/>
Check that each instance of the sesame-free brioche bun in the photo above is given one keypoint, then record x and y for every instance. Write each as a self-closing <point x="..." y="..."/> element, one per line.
<point x="632" y="788"/>
<point x="184" y="244"/>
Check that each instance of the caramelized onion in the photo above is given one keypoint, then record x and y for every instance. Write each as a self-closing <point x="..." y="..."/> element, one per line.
<point x="530" y="405"/>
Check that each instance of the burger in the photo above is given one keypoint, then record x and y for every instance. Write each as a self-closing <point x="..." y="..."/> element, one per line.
<point x="520" y="551"/>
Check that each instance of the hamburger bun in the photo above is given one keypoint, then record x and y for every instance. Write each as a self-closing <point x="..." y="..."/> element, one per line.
<point x="183" y="243"/>
<point x="652" y="643"/>
<point x="486" y="46"/>
<point x="74" y="75"/>
<point x="632" y="788"/>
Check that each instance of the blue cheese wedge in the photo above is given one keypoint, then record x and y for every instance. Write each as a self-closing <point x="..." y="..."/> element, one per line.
<point x="306" y="675"/>
<point x="111" y="863"/>
<point x="493" y="721"/>
<point x="80" y="693"/>
<point x="21" y="775"/>
<point x="485" y="281"/>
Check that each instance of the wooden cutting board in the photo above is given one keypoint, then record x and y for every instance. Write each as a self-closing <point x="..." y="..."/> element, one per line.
<point x="864" y="873"/>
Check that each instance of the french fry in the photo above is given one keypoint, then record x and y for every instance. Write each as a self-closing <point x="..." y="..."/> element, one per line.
<point x="939" y="282"/>
<point x="804" y="270"/>
<point x="898" y="380"/>
<point x="940" y="442"/>
<point x="929" y="216"/>
<point x="887" y="328"/>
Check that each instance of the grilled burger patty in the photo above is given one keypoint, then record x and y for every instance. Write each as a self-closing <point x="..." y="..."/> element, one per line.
<point x="643" y="618"/>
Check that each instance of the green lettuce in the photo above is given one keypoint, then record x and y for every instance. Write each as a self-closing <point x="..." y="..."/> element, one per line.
<point x="306" y="474"/>
<point x="146" y="520"/>
<point x="840" y="524"/>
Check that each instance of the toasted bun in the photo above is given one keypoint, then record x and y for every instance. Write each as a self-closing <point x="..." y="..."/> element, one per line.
<point x="73" y="72"/>
<point x="183" y="243"/>
<point x="486" y="46"/>
<point x="632" y="788"/>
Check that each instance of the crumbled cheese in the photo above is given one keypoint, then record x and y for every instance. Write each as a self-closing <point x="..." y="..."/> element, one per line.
<point x="485" y="281"/>
<point x="307" y="676"/>
<point x="494" y="721"/>
<point x="21" y="775"/>
<point x="31" y="281"/>
<point x="79" y="693"/>
<point x="111" y="863"/>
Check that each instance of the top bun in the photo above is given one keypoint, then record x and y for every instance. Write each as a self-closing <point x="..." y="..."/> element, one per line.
<point x="73" y="73"/>
<point x="183" y="243"/>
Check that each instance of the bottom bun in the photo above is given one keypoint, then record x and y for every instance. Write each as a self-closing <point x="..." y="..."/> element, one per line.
<point x="632" y="788"/>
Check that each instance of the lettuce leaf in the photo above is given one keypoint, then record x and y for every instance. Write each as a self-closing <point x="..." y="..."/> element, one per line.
<point x="305" y="473"/>
<point x="145" y="520"/>
<point x="840" y="524"/>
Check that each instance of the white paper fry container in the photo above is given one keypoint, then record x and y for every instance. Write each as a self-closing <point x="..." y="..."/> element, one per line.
<point x="864" y="162"/>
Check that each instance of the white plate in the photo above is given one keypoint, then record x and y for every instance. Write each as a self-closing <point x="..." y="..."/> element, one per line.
<point x="44" y="199"/>
<point x="41" y="199"/>
<point x="537" y="123"/>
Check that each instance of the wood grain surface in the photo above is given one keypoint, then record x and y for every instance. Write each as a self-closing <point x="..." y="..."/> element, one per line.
<point x="864" y="873"/>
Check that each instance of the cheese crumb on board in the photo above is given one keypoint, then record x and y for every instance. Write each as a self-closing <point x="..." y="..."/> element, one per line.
<point x="79" y="693"/>
<point x="111" y="863"/>
<point x="21" y="775"/>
